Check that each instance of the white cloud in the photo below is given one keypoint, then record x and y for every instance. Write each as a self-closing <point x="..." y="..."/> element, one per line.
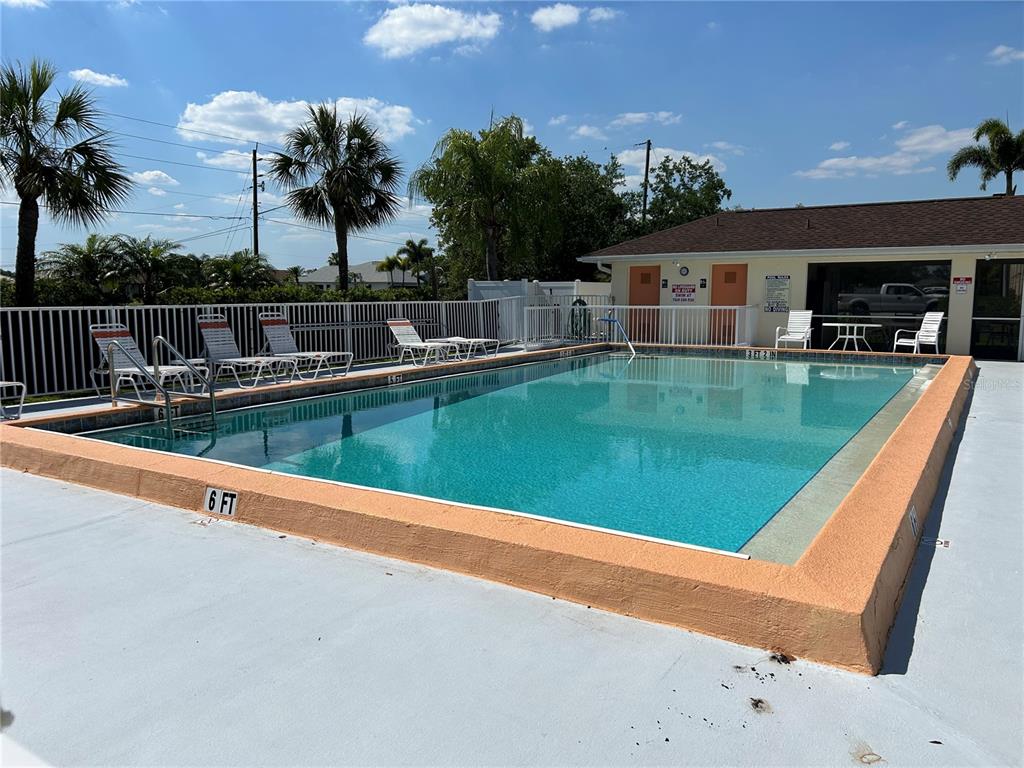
<point x="712" y="25"/>
<point x="97" y="78"/>
<point x="913" y="149"/>
<point x="1004" y="54"/>
<point x="552" y="17"/>
<point x="253" y="117"/>
<point x="900" y="125"/>
<point x="634" y="158"/>
<point x="24" y="3"/>
<point x="408" y="29"/>
<point x="839" y="146"/>
<point x="179" y="207"/>
<point x="588" y="132"/>
<point x="154" y="177"/>
<point x="599" y="14"/>
<point x="626" y="119"/>
<point x="156" y="191"/>
<point x="528" y="128"/>
<point x="558" y="120"/>
<point x="232" y="158"/>
<point x="727" y="146"/>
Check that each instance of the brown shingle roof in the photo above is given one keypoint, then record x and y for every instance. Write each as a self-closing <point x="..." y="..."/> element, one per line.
<point x="908" y="224"/>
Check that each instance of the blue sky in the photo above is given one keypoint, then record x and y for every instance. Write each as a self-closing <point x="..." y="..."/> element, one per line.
<point x="798" y="102"/>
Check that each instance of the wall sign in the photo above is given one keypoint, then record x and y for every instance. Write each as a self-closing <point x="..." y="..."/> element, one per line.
<point x="776" y="293"/>
<point x="960" y="284"/>
<point x="684" y="293"/>
<point x="703" y="282"/>
<point x="220" y="502"/>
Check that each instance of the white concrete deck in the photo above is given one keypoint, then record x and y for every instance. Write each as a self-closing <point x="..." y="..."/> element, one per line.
<point x="137" y="634"/>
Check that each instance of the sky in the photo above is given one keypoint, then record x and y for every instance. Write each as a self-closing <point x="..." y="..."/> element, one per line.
<point x="812" y="103"/>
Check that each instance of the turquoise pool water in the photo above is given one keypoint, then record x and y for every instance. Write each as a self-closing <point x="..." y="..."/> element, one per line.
<point x="694" y="450"/>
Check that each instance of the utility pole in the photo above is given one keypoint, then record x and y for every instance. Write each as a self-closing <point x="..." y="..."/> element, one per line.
<point x="647" y="170"/>
<point x="256" y="208"/>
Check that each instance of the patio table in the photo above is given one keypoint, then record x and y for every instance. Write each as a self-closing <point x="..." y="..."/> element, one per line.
<point x="851" y="330"/>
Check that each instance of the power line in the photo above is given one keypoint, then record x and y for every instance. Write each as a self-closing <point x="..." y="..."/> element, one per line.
<point x="150" y="213"/>
<point x="220" y="151"/>
<point x="192" y="130"/>
<point x="176" y="162"/>
<point x="328" y="231"/>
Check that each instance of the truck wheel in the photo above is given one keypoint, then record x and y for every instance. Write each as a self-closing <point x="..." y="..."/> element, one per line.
<point x="858" y="308"/>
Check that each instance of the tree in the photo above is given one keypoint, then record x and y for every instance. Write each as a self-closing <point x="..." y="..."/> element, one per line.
<point x="54" y="151"/>
<point x="90" y="266"/>
<point x="145" y="266"/>
<point x="684" y="190"/>
<point x="295" y="273"/>
<point x="338" y="174"/>
<point x="389" y="264"/>
<point x="1003" y="153"/>
<point x="480" y="185"/>
<point x="241" y="269"/>
<point x="420" y="256"/>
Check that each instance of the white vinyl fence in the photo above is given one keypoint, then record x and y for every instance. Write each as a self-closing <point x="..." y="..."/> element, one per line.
<point x="719" y="326"/>
<point x="51" y="351"/>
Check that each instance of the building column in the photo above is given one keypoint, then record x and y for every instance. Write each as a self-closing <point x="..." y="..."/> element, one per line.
<point x="961" y="306"/>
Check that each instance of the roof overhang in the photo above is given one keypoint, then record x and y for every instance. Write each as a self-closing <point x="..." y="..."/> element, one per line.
<point x="812" y="253"/>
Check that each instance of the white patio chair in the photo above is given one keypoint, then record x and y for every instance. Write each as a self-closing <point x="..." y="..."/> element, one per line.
<point x="224" y="355"/>
<point x="409" y="341"/>
<point x="469" y="345"/>
<point x="282" y="344"/>
<point x="796" y="330"/>
<point x="928" y="333"/>
<point x="4" y="408"/>
<point x="124" y="366"/>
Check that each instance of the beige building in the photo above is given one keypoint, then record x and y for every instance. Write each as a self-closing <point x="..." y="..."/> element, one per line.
<point x="884" y="264"/>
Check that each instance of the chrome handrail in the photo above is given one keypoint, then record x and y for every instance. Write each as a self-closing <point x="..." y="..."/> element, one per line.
<point x="207" y="382"/>
<point x="115" y="379"/>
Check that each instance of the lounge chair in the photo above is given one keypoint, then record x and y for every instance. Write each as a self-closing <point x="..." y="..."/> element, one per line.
<point x="469" y="346"/>
<point x="16" y="386"/>
<point x="928" y="333"/>
<point x="409" y="341"/>
<point x="128" y="365"/>
<point x="797" y="329"/>
<point x="282" y="344"/>
<point x="223" y="353"/>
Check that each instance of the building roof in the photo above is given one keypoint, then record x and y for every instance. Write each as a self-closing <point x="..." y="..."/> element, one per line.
<point x="908" y="224"/>
<point x="367" y="271"/>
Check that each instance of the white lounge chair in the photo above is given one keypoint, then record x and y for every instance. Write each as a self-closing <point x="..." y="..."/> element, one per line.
<point x="796" y="330"/>
<point x="282" y="344"/>
<point x="223" y="353"/>
<point x="409" y="341"/>
<point x="19" y="394"/>
<point x="928" y="333"/>
<point x="127" y="359"/>
<point x="469" y="346"/>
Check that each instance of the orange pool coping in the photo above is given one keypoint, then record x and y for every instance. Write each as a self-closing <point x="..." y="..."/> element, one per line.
<point x="836" y="605"/>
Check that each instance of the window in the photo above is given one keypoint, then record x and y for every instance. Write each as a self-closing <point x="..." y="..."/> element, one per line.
<point x="730" y="278"/>
<point x="645" y="278"/>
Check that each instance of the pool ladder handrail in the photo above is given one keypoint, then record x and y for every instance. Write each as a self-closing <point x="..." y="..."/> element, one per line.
<point x="613" y="320"/>
<point x="154" y="381"/>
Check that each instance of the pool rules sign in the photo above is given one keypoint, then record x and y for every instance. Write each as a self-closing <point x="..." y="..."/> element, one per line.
<point x="220" y="502"/>
<point x="776" y="293"/>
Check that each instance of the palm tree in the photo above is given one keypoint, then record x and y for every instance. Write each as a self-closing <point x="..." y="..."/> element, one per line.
<point x="421" y="255"/>
<point x="146" y="264"/>
<point x="1004" y="153"/>
<point x="242" y="269"/>
<point x="482" y="183"/>
<point x="52" y="150"/>
<point x="295" y="273"/>
<point x="90" y="264"/>
<point x="389" y="264"/>
<point x="340" y="174"/>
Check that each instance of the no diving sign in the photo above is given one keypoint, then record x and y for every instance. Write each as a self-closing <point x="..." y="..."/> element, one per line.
<point x="220" y="502"/>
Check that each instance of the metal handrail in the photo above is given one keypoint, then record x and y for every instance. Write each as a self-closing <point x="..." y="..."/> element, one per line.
<point x="207" y="382"/>
<point x="114" y="379"/>
<point x="612" y="320"/>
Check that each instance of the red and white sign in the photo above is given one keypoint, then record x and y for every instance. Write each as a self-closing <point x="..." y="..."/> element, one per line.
<point x="683" y="293"/>
<point x="960" y="283"/>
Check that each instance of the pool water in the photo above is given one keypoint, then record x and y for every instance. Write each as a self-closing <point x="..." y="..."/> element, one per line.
<point x="693" y="450"/>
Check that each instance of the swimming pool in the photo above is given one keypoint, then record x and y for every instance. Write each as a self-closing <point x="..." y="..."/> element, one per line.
<point x="700" y="451"/>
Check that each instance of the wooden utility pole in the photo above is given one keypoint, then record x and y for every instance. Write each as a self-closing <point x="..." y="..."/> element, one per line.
<point x="647" y="171"/>
<point x="256" y="208"/>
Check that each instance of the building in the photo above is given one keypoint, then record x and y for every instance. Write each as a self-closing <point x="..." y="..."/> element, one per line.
<point x="885" y="262"/>
<point x="366" y="273"/>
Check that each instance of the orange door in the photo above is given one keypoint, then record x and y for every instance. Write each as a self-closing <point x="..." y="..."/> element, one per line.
<point x="728" y="289"/>
<point x="644" y="291"/>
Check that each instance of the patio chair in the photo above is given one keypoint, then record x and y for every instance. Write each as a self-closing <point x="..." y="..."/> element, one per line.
<point x="128" y="365"/>
<point x="223" y="354"/>
<point x="797" y="329"/>
<point x="470" y="345"/>
<point x="928" y="333"/>
<point x="282" y="344"/>
<point x="409" y="341"/>
<point x="4" y="409"/>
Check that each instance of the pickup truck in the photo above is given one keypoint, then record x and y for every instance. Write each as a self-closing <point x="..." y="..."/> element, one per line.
<point x="890" y="299"/>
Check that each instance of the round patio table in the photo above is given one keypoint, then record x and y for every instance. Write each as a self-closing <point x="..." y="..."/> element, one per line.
<point x="851" y="330"/>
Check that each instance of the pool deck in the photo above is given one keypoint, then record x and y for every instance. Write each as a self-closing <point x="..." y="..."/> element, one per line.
<point x="139" y="634"/>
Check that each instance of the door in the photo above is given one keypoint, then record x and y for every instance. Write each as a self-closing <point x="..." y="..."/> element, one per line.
<point x="644" y="291"/>
<point x="996" y="327"/>
<point x="728" y="289"/>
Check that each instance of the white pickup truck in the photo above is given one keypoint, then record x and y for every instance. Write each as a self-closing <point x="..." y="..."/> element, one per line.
<point x="891" y="299"/>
